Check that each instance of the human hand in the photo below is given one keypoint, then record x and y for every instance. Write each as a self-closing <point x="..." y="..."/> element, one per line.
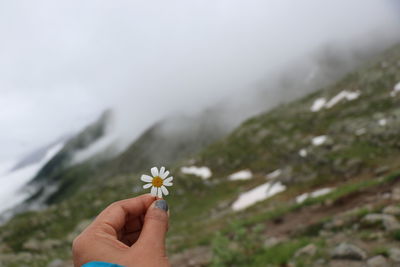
<point x="129" y="232"/>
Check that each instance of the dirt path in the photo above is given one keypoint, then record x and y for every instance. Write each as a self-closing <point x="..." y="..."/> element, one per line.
<point x="298" y="220"/>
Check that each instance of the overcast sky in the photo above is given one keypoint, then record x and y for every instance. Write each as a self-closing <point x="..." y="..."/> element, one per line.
<point x="63" y="62"/>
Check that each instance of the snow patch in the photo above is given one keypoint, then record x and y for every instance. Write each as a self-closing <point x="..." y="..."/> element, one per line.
<point x="396" y="90"/>
<point x="257" y="194"/>
<point x="382" y="122"/>
<point x="320" y="192"/>
<point x="343" y="95"/>
<point x="318" y="104"/>
<point x="303" y="153"/>
<point x="274" y="174"/>
<point x="11" y="184"/>
<point x="241" y="175"/>
<point x="203" y="172"/>
<point x="319" y="140"/>
<point x="300" y="199"/>
<point x="321" y="102"/>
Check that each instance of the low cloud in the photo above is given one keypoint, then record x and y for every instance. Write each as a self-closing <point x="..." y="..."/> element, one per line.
<point x="65" y="62"/>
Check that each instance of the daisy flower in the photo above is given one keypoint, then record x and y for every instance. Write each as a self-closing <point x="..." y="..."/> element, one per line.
<point x="158" y="182"/>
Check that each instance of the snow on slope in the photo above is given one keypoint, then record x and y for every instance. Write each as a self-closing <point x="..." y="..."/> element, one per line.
<point x="319" y="140"/>
<point x="315" y="194"/>
<point x="321" y="103"/>
<point x="396" y="90"/>
<point x="203" y="172"/>
<point x="241" y="175"/>
<point x="257" y="194"/>
<point x="11" y="183"/>
<point x="318" y="104"/>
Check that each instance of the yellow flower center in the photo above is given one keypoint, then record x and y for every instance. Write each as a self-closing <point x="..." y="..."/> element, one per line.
<point x="157" y="181"/>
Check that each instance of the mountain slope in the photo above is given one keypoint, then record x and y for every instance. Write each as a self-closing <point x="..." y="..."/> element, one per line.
<point x="56" y="178"/>
<point x="169" y="141"/>
<point x="83" y="140"/>
<point x="335" y="156"/>
<point x="358" y="132"/>
<point x="166" y="142"/>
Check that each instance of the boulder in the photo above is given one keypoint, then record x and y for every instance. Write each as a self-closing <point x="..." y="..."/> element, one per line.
<point x="349" y="252"/>
<point x="389" y="222"/>
<point x="394" y="254"/>
<point x="396" y="194"/>
<point x="271" y="241"/>
<point x="381" y="170"/>
<point x="392" y="210"/>
<point x="378" y="261"/>
<point x="309" y="251"/>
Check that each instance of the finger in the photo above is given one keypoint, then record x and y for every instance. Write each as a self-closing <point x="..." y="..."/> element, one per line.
<point x="115" y="215"/>
<point x="131" y="238"/>
<point x="155" y="227"/>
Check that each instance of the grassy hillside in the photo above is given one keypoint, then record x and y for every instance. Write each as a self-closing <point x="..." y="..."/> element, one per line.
<point x="273" y="140"/>
<point x="350" y="144"/>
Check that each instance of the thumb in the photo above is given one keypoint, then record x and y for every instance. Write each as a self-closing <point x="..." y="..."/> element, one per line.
<point x="155" y="226"/>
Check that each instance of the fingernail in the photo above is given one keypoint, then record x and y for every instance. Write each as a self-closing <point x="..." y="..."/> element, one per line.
<point x="162" y="204"/>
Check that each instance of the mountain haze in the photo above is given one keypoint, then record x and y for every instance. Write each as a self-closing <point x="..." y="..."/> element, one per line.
<point x="324" y="171"/>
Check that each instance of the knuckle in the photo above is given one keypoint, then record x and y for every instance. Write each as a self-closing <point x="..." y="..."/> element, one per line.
<point x="114" y="205"/>
<point x="158" y="216"/>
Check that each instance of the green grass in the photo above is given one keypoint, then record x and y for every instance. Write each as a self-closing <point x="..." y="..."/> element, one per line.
<point x="200" y="209"/>
<point x="381" y="251"/>
<point x="396" y="235"/>
<point x="280" y="254"/>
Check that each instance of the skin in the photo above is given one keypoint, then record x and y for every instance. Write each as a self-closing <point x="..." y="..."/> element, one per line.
<point x="129" y="232"/>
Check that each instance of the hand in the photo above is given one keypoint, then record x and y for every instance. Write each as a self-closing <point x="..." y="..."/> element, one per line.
<point x="129" y="232"/>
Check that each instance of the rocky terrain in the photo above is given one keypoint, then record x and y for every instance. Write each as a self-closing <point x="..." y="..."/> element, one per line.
<point x="314" y="182"/>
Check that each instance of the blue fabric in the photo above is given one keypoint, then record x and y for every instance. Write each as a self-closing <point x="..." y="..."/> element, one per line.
<point x="100" y="264"/>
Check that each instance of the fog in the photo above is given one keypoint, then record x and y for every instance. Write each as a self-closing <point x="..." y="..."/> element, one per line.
<point x="64" y="62"/>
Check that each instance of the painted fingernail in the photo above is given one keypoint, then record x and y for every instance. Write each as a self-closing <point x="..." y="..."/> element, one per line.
<point x="162" y="204"/>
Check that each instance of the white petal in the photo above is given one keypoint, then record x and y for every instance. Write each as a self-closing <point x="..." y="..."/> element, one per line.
<point x="159" y="193"/>
<point x="147" y="186"/>
<point x="146" y="178"/>
<point x="165" y="175"/>
<point x="164" y="190"/>
<point x="162" y="170"/>
<point x="168" y="184"/>
<point x="153" y="191"/>
<point x="154" y="171"/>
<point x="168" y="180"/>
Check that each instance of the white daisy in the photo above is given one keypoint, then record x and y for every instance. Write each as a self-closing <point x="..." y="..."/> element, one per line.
<point x="158" y="182"/>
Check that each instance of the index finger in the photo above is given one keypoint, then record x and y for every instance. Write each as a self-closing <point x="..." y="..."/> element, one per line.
<point x="115" y="215"/>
